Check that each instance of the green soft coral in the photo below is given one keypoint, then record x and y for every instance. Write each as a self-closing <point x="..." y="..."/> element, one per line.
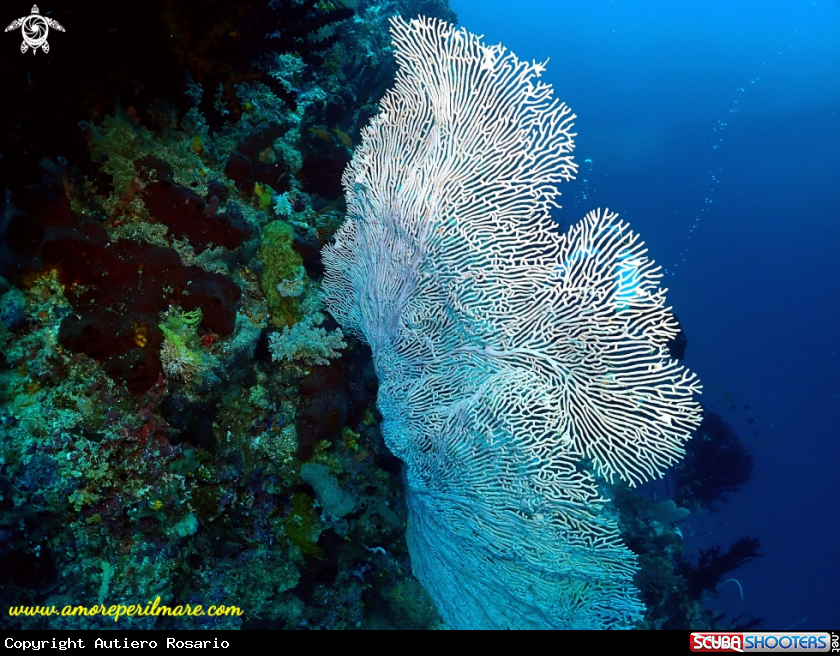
<point x="178" y="355"/>
<point x="281" y="263"/>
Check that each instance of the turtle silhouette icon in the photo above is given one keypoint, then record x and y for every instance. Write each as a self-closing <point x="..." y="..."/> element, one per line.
<point x="35" y="29"/>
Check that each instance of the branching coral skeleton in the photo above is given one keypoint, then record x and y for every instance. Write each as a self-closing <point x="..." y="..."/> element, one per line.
<point x="508" y="355"/>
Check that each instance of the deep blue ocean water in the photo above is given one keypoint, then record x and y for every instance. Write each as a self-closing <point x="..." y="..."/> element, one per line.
<point x="714" y="129"/>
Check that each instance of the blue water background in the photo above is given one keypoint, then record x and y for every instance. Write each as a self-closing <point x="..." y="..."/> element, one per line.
<point x="749" y="232"/>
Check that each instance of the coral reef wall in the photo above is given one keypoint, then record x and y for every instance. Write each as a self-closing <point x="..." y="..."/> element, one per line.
<point x="181" y="421"/>
<point x="179" y="418"/>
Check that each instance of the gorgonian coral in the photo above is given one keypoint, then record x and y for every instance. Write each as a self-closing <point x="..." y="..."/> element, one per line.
<point x="508" y="355"/>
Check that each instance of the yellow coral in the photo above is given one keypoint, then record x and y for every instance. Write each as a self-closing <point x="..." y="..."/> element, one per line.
<point x="264" y="194"/>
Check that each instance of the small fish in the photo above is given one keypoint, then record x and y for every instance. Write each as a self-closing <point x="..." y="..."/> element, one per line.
<point x="750" y="420"/>
<point x="746" y="407"/>
<point x="321" y="133"/>
<point x="733" y="407"/>
<point x="343" y="136"/>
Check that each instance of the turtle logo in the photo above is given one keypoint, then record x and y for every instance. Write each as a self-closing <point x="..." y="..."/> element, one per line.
<point x="35" y="29"/>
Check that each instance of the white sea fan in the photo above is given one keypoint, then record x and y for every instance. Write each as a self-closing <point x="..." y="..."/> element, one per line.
<point x="507" y="354"/>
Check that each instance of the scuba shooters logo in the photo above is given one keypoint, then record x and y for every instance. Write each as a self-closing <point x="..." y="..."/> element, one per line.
<point x="34" y="29"/>
<point x="717" y="642"/>
<point x="765" y="641"/>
